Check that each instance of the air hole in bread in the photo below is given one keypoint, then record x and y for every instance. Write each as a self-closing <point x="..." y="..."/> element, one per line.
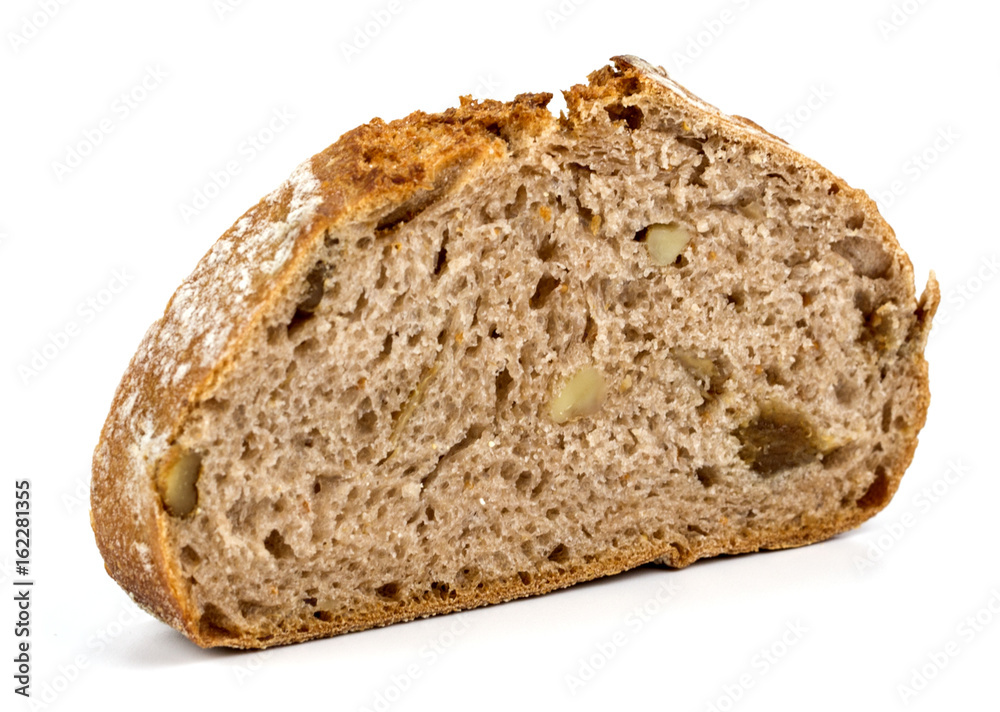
<point x="315" y="289"/>
<point x="386" y="348"/>
<point x="631" y="115"/>
<point x="546" y="285"/>
<point x="312" y="438"/>
<point x="864" y="302"/>
<point x="886" y="416"/>
<point x="589" y="330"/>
<point x="697" y="172"/>
<point x="878" y="492"/>
<point x="547" y="248"/>
<point x="845" y="390"/>
<point x="443" y="590"/>
<point x="774" y="376"/>
<point x="696" y="144"/>
<point x="254" y="609"/>
<point x="503" y="384"/>
<point x="737" y="298"/>
<point x="588" y="220"/>
<point x="276" y="546"/>
<point x="516" y="208"/>
<point x="634" y="335"/>
<point x="680" y="552"/>
<point x="383" y="275"/>
<point x="359" y="307"/>
<point x="493" y="127"/>
<point x="633" y="293"/>
<point x="189" y="556"/>
<point x="214" y="622"/>
<point x="707" y="475"/>
<point x="467" y="577"/>
<point x="629" y="85"/>
<point x="388" y="590"/>
<point x="442" y="257"/>
<point x="543" y="482"/>
<point x="442" y="254"/>
<point x="248" y="450"/>
<point x="368" y="418"/>
<point x="409" y="210"/>
<point x="840" y="456"/>
<point x="867" y="257"/>
<point x="560" y="554"/>
<point x="301" y="349"/>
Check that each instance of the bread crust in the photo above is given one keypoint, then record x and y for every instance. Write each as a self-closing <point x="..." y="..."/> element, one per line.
<point x="371" y="176"/>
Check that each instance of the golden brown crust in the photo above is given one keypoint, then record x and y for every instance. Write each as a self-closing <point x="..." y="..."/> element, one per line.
<point x="372" y="176"/>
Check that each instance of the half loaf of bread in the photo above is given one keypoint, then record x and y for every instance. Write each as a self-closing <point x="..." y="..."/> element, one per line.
<point x="466" y="357"/>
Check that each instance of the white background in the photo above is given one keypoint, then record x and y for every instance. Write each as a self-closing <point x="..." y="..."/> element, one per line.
<point x="875" y="86"/>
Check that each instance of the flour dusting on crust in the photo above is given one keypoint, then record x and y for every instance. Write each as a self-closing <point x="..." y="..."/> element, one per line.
<point x="204" y="313"/>
<point x="238" y="264"/>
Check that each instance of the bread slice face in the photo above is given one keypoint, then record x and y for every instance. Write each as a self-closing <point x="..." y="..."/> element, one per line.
<point x="462" y="358"/>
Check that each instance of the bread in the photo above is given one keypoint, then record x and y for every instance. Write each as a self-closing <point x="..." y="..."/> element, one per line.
<point x="467" y="357"/>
